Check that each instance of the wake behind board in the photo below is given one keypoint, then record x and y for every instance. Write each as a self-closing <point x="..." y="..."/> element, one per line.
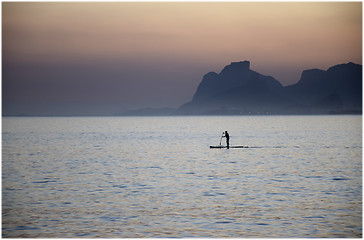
<point x="221" y="146"/>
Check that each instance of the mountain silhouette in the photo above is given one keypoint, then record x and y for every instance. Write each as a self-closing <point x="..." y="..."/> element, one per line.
<point x="344" y="81"/>
<point x="239" y="90"/>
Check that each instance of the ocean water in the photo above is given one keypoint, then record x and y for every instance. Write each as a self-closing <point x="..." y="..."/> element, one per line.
<point x="157" y="177"/>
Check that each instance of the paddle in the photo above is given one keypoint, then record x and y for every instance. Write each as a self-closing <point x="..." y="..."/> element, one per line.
<point x="221" y="137"/>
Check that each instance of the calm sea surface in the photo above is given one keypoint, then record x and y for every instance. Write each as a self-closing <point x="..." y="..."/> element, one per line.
<point x="157" y="177"/>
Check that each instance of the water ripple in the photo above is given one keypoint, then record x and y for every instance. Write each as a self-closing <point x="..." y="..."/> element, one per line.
<point x="156" y="177"/>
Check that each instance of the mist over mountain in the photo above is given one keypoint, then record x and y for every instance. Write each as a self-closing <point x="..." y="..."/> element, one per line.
<point x="239" y="90"/>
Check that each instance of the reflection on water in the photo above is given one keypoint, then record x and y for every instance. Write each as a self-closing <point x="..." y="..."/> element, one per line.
<point x="157" y="177"/>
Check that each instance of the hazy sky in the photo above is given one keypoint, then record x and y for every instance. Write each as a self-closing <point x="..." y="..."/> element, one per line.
<point x="102" y="58"/>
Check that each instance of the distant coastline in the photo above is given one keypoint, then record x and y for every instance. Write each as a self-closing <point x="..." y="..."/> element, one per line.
<point x="238" y="90"/>
<point x="140" y="113"/>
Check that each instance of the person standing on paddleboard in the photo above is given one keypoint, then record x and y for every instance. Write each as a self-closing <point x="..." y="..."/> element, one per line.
<point x="227" y="136"/>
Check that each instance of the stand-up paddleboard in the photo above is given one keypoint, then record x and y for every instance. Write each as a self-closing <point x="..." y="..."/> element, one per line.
<point x="221" y="146"/>
<point x="225" y="134"/>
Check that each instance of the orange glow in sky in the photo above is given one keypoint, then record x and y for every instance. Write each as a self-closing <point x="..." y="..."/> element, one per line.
<point x="280" y="39"/>
<point x="310" y="32"/>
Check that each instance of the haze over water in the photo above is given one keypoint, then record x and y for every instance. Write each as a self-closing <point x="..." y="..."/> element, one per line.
<point x="156" y="177"/>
